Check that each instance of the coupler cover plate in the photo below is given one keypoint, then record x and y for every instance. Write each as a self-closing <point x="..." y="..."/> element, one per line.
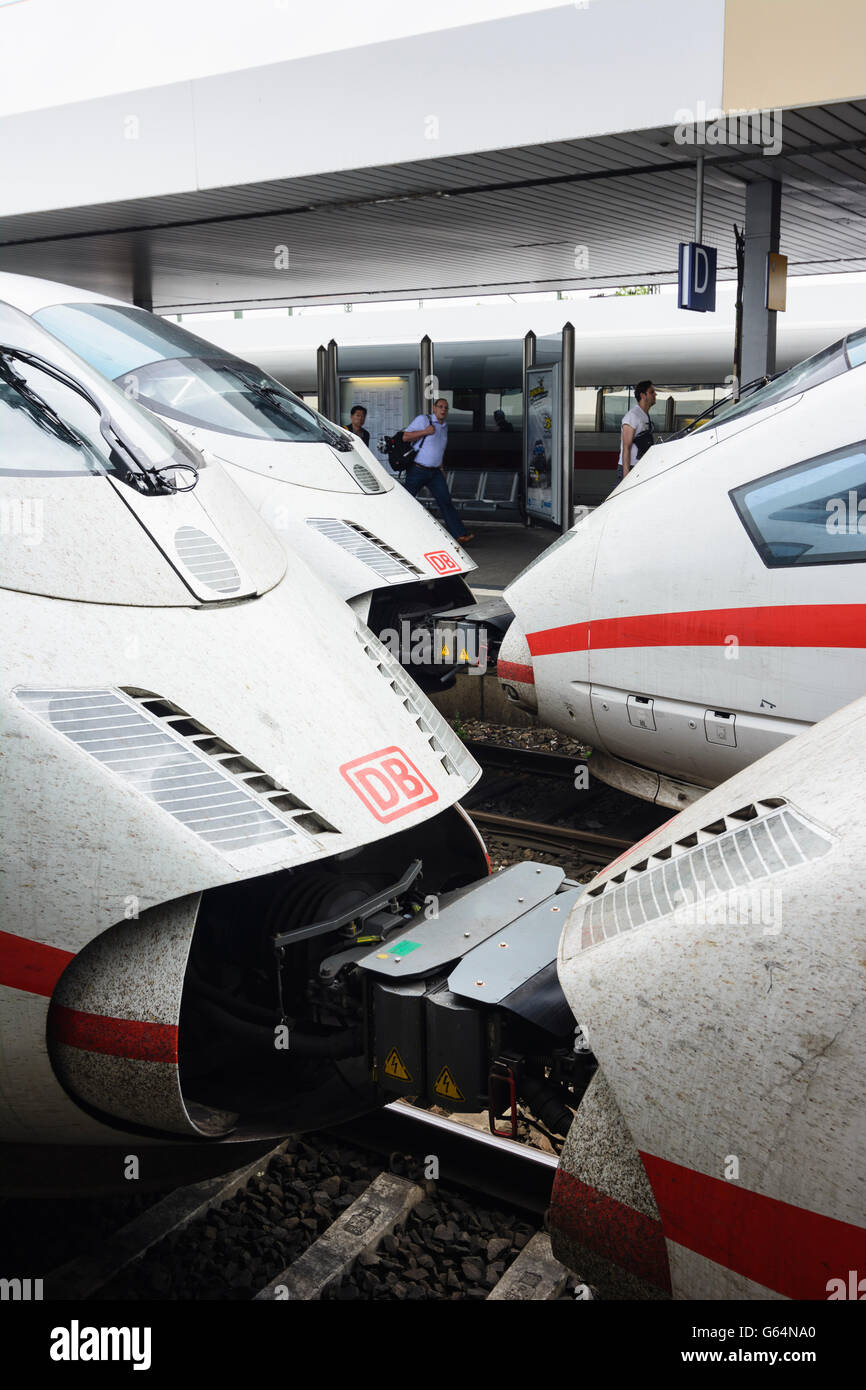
<point x="463" y="920"/>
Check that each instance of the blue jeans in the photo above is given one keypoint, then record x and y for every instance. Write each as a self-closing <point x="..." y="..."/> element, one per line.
<point x="417" y="477"/>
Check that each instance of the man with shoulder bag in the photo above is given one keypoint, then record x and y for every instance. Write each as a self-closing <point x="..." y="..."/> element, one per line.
<point x="637" y="429"/>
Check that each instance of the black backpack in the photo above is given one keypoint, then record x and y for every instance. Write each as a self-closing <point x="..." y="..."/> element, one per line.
<point x="401" y="454"/>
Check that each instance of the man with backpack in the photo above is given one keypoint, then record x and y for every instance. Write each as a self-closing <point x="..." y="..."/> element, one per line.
<point x="427" y="470"/>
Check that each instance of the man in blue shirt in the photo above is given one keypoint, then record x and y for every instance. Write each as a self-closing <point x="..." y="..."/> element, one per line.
<point x="428" y="469"/>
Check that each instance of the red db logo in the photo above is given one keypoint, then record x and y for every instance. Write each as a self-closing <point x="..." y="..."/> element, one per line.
<point x="442" y="562"/>
<point x="388" y="783"/>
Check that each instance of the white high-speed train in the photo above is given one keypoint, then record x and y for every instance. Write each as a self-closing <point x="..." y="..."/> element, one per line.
<point x="717" y="972"/>
<point x="229" y="910"/>
<point x="211" y="848"/>
<point x="715" y="604"/>
<point x="318" y="486"/>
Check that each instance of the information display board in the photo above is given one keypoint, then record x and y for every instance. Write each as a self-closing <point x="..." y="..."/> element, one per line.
<point x="388" y="400"/>
<point x="542" y="444"/>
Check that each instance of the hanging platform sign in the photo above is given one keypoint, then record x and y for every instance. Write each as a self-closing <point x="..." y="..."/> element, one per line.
<point x="697" y="277"/>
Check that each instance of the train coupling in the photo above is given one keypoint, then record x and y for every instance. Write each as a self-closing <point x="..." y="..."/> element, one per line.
<point x="464" y="1006"/>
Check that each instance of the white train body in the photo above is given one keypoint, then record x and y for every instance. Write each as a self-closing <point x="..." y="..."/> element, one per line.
<point x="717" y="973"/>
<point x="197" y="736"/>
<point x="337" y="508"/>
<point x="715" y="604"/>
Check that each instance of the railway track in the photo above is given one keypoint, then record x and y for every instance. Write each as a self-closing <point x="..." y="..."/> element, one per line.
<point x="550" y="838"/>
<point x="518" y="779"/>
<point x="533" y="760"/>
<point x="379" y="1234"/>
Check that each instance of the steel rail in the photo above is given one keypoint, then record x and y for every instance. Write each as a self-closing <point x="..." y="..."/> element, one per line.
<point x="550" y="837"/>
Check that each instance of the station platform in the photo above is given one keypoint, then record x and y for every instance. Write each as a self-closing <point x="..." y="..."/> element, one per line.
<point x="501" y="551"/>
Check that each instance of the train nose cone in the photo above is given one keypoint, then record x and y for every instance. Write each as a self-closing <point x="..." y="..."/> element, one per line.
<point x="515" y="670"/>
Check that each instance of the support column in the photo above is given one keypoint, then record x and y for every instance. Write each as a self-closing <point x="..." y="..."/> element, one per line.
<point x="763" y="214"/>
<point x="142" y="275"/>
<point x="567" y="427"/>
<point x="429" y="390"/>
<point x="322" y="381"/>
<point x="333" y="387"/>
<point x="529" y="345"/>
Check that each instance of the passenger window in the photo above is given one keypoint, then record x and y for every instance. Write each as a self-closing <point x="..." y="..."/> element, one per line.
<point x="811" y="514"/>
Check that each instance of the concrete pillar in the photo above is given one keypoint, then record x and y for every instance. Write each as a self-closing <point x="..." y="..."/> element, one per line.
<point x="763" y="212"/>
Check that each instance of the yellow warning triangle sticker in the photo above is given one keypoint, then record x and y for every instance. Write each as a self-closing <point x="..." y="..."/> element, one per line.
<point x="446" y="1086"/>
<point x="464" y="655"/>
<point x="394" y="1066"/>
<point x="445" y="651"/>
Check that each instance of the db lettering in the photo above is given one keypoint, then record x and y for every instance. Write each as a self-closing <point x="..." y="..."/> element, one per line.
<point x="442" y="562"/>
<point x="388" y="783"/>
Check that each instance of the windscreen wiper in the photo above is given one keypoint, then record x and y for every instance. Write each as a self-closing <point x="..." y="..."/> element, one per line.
<point x="745" y="390"/>
<point x="39" y="410"/>
<point x="332" y="436"/>
<point x="134" y="470"/>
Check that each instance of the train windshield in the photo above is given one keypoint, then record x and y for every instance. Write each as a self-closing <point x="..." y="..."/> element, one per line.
<point x="46" y="428"/>
<point x="824" y="365"/>
<point x="59" y="417"/>
<point x="182" y="377"/>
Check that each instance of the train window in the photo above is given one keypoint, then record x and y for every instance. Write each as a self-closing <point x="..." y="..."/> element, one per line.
<point x="179" y="375"/>
<point x="503" y="411"/>
<point x="117" y="338"/>
<point x="855" y="347"/>
<point x="462" y="409"/>
<point x="46" y="428"/>
<point x="811" y="514"/>
<point x="229" y="396"/>
<point x="690" y="403"/>
<point x="616" y="401"/>
<point x="585" y="403"/>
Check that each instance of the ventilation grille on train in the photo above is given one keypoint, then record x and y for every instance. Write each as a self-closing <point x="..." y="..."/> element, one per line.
<point x="366" y="548"/>
<point x="177" y="762"/>
<point x="453" y="755"/>
<point x="206" y="559"/>
<point x="369" y="482"/>
<point x="728" y="856"/>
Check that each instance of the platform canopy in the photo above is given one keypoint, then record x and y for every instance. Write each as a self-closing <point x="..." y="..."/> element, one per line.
<point x="508" y="161"/>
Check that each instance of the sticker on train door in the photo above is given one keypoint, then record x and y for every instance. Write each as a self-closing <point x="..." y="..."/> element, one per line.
<point x="388" y="783"/>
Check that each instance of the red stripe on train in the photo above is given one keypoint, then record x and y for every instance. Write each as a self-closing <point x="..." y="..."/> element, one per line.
<point x="513" y="671"/>
<point x="787" y="1248"/>
<point x="798" y="625"/>
<point x="611" y="1228"/>
<point x="31" y="965"/>
<point x="783" y="1247"/>
<point x="113" y="1037"/>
